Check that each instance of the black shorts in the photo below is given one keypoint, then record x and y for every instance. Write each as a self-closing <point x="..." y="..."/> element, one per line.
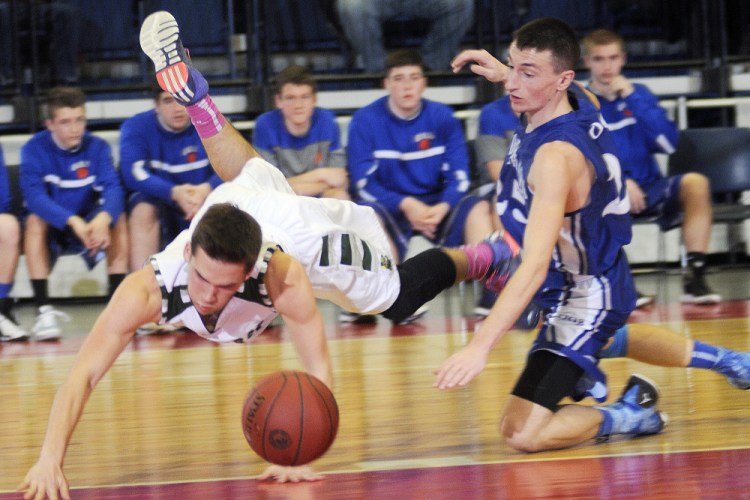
<point x="547" y="379"/>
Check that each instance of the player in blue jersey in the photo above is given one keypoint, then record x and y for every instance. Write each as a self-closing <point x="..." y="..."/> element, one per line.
<point x="561" y="193"/>
<point x="10" y="248"/>
<point x="641" y="128"/>
<point x="301" y="139"/>
<point x="497" y="123"/>
<point x="74" y="199"/>
<point x="166" y="171"/>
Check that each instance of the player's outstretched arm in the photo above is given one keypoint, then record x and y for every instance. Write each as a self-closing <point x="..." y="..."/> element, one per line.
<point x="551" y="189"/>
<point x="292" y="295"/>
<point x="136" y="301"/>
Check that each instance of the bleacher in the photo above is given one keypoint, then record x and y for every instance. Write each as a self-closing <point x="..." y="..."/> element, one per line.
<point x="240" y="46"/>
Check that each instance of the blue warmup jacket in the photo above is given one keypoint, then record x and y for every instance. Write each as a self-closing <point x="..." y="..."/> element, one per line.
<point x="58" y="184"/>
<point x="153" y="160"/>
<point x="640" y="128"/>
<point x="390" y="158"/>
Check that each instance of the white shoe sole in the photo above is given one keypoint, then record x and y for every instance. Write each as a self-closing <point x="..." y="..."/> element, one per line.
<point x="711" y="299"/>
<point x="10" y="332"/>
<point x="13" y="338"/>
<point x="159" y="39"/>
<point x="664" y="420"/>
<point x="643" y="301"/>
<point x="47" y="335"/>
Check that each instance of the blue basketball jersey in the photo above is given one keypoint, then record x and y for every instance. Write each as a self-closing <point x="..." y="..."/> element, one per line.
<point x="592" y="237"/>
<point x="588" y="292"/>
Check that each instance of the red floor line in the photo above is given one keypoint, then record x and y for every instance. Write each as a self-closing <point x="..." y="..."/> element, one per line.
<point x="720" y="474"/>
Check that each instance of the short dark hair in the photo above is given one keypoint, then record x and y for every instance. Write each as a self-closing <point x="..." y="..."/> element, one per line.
<point x="296" y="75"/>
<point x="228" y="234"/>
<point x="549" y="33"/>
<point x="403" y="57"/>
<point x="64" y="97"/>
<point x="602" y="37"/>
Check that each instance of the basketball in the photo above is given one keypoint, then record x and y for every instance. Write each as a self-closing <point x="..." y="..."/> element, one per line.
<point x="290" y="418"/>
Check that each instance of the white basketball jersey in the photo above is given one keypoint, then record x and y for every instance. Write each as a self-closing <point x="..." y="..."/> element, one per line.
<point x="340" y="244"/>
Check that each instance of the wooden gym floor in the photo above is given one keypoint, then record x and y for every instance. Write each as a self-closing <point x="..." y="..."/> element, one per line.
<point x="165" y="422"/>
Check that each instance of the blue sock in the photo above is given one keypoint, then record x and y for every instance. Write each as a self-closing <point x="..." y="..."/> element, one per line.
<point x="5" y="289"/>
<point x="619" y="346"/>
<point x="606" y="428"/>
<point x="704" y="355"/>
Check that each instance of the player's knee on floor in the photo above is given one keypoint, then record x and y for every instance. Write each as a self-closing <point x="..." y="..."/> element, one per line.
<point x="517" y="437"/>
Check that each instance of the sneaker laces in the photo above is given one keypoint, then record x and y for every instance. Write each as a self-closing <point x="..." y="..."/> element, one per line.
<point x="49" y="317"/>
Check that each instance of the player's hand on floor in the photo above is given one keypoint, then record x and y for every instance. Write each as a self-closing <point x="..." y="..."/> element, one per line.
<point x="461" y="368"/>
<point x="45" y="480"/>
<point x="282" y="474"/>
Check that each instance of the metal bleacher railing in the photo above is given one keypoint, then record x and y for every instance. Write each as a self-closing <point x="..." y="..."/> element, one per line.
<point x="240" y="45"/>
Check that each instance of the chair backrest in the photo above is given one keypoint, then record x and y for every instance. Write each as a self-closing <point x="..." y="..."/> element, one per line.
<point x="722" y="154"/>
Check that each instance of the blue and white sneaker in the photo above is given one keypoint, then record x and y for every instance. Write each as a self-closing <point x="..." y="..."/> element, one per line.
<point x="635" y="413"/>
<point x="506" y="257"/>
<point x="735" y="366"/>
<point x="160" y="41"/>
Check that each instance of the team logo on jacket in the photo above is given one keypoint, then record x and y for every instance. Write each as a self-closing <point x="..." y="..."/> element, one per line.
<point x="190" y="153"/>
<point x="80" y="169"/>
<point x="424" y="140"/>
<point x="623" y="108"/>
<point x="318" y="158"/>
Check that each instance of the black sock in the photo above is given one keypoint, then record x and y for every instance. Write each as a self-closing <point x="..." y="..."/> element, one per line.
<point x="697" y="263"/>
<point x="40" y="292"/>
<point x="6" y="304"/>
<point x="114" y="282"/>
<point x="422" y="277"/>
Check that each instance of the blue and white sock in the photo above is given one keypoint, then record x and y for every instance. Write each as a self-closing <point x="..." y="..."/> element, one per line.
<point x="705" y="355"/>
